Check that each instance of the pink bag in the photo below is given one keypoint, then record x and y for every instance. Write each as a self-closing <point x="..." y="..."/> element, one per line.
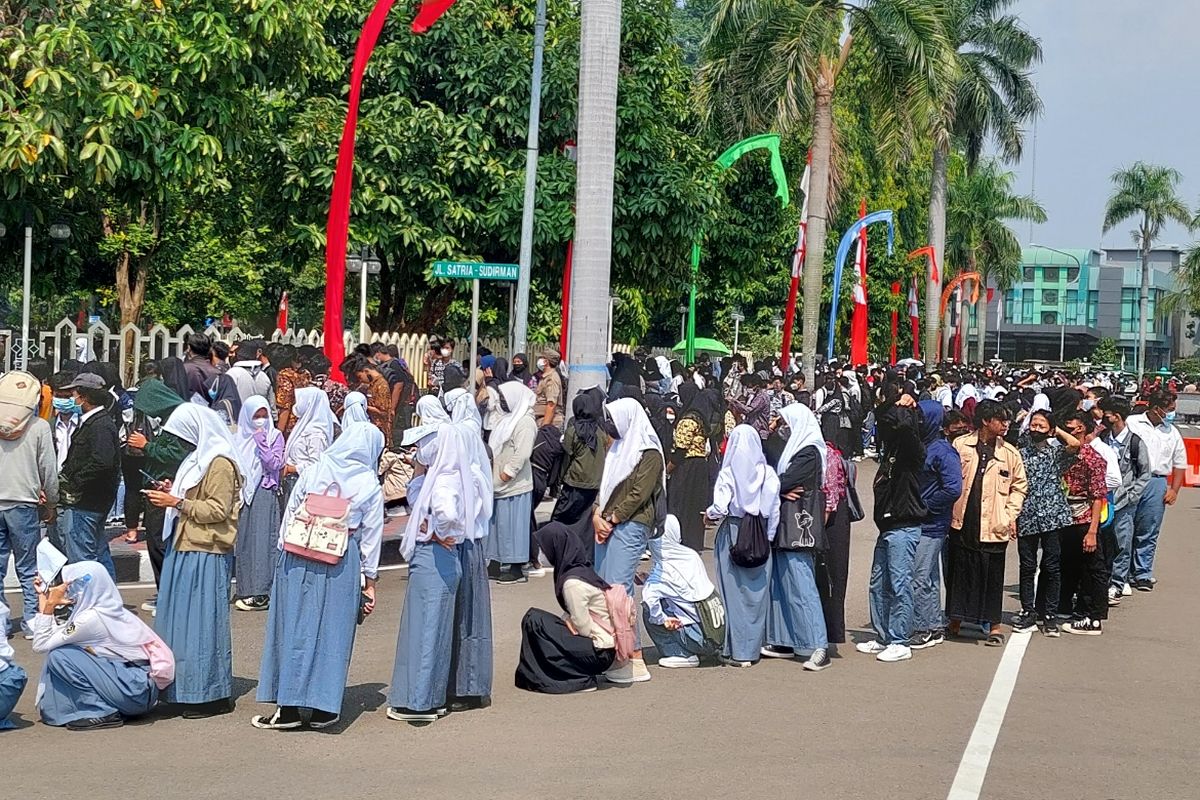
<point x="162" y="662"/>
<point x="320" y="529"/>
<point x="620" y="608"/>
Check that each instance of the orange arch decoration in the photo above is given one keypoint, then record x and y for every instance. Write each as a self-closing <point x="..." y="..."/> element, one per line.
<point x="954" y="284"/>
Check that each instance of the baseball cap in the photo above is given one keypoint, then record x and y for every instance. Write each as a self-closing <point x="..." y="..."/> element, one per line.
<point x="86" y="380"/>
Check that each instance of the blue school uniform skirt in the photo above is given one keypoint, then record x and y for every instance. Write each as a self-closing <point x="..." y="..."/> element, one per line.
<point x="745" y="593"/>
<point x="473" y="624"/>
<point x="257" y="545"/>
<point x="424" y="646"/>
<point x="12" y="683"/>
<point x="796" y="619"/>
<point x="310" y="631"/>
<point x="193" y="619"/>
<point x="508" y="541"/>
<point x="78" y="685"/>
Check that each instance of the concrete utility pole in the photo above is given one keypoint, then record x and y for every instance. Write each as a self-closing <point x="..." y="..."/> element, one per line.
<point x="521" y="325"/>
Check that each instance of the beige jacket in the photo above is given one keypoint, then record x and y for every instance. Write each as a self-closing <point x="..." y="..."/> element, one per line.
<point x="209" y="515"/>
<point x="1004" y="489"/>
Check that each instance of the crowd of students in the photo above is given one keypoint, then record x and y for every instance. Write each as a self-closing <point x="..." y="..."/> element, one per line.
<point x="257" y="466"/>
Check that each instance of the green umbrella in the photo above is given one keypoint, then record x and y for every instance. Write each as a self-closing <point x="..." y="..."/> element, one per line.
<point x="704" y="346"/>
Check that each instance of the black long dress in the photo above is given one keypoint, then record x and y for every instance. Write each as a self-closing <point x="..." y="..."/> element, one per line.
<point x="554" y="660"/>
<point x="975" y="579"/>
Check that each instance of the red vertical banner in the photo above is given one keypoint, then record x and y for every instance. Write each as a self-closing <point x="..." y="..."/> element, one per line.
<point x="566" y="299"/>
<point x="895" y="318"/>
<point x="858" y="323"/>
<point x="914" y="314"/>
<point x="281" y="320"/>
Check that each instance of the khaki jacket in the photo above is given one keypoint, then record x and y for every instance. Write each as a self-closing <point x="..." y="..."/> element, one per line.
<point x="1004" y="489"/>
<point x="209" y="517"/>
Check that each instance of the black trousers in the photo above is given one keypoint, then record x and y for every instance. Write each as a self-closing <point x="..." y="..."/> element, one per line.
<point x="131" y="467"/>
<point x="155" y="517"/>
<point x="1084" y="575"/>
<point x="1043" y="601"/>
<point x="833" y="572"/>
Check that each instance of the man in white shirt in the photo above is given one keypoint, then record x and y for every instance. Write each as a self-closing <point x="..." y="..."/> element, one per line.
<point x="1168" y="465"/>
<point x="248" y="372"/>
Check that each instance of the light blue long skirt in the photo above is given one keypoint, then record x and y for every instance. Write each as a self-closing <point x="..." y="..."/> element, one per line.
<point x="310" y="631"/>
<point x="473" y="624"/>
<point x="424" y="646"/>
<point x="193" y="619"/>
<point x="796" y="619"/>
<point x="257" y="545"/>
<point x="745" y="593"/>
<point x="78" y="685"/>
<point x="12" y="683"/>
<point x="508" y="541"/>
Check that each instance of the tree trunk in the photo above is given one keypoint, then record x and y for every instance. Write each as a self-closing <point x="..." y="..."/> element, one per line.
<point x="818" y="209"/>
<point x="1144" y="301"/>
<point x="981" y="312"/>
<point x="599" y="60"/>
<point x="937" y="240"/>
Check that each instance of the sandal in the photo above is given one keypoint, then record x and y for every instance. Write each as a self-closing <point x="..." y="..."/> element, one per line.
<point x="995" y="640"/>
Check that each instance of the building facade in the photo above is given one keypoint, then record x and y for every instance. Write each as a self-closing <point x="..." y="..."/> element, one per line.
<point x="1067" y="300"/>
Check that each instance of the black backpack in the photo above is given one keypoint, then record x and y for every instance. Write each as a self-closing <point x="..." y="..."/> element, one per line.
<point x="752" y="547"/>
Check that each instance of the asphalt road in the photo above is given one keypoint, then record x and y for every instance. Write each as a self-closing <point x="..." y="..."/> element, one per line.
<point x="1090" y="717"/>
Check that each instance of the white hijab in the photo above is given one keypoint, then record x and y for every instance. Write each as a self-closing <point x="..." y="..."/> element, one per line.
<point x="352" y="463"/>
<point x="636" y="436"/>
<point x="965" y="393"/>
<point x="520" y="400"/>
<point x="431" y="411"/>
<point x="678" y="572"/>
<point x="1040" y="403"/>
<point x="664" y="366"/>
<point x="852" y="378"/>
<point x="312" y="414"/>
<point x="804" y="432"/>
<point x="248" y="458"/>
<point x="752" y="484"/>
<point x="463" y="408"/>
<point x="201" y="427"/>
<point x="354" y="409"/>
<point x="126" y="634"/>
<point x="452" y="466"/>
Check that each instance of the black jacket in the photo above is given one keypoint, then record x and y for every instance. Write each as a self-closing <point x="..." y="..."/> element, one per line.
<point x="92" y="471"/>
<point x="898" y="501"/>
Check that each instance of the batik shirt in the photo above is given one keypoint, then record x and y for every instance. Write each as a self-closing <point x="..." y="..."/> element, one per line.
<point x="1045" y="506"/>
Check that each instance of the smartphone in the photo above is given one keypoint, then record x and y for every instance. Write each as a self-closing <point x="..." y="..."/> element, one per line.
<point x="154" y="482"/>
<point x="363" y="600"/>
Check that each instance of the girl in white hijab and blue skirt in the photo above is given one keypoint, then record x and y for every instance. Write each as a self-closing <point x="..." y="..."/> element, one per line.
<point x="634" y="477"/>
<point x="103" y="665"/>
<point x="200" y="530"/>
<point x="796" y="623"/>
<point x="260" y="448"/>
<point x="680" y="607"/>
<point x="315" y="605"/>
<point x="512" y="474"/>
<point x="451" y="504"/>
<point x="746" y="486"/>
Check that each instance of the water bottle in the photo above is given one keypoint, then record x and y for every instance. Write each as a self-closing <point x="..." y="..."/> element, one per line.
<point x="76" y="588"/>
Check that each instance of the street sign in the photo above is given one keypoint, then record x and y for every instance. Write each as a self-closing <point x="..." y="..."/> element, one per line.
<point x="476" y="270"/>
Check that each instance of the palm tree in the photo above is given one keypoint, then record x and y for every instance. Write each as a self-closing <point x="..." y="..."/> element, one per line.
<point x="991" y="97"/>
<point x="774" y="65"/>
<point x="978" y="203"/>
<point x="1185" y="297"/>
<point x="1145" y="192"/>
<point x="599" y="56"/>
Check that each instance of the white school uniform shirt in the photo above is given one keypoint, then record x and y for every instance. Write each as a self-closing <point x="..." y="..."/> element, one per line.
<point x="1164" y="444"/>
<point x="63" y="431"/>
<point x="1112" y="463"/>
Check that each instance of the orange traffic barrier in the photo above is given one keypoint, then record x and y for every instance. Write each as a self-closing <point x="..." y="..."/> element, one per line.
<point x="1192" y="446"/>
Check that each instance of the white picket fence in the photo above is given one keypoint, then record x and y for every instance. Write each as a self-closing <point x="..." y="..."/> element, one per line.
<point x="131" y="347"/>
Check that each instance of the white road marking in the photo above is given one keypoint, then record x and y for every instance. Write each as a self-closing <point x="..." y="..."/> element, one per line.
<point x="972" y="769"/>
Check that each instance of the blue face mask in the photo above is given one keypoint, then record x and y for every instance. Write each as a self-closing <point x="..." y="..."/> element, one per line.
<point x="1169" y="418"/>
<point x="212" y="393"/>
<point x="66" y="405"/>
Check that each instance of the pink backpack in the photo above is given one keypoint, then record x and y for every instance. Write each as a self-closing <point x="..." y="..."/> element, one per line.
<point x="621" y="610"/>
<point x="162" y="662"/>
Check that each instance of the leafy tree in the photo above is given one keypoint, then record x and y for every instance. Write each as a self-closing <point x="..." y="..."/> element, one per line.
<point x="979" y="203"/>
<point x="1147" y="194"/>
<point x="1106" y="352"/>
<point x="776" y="64"/>
<point x="991" y="97"/>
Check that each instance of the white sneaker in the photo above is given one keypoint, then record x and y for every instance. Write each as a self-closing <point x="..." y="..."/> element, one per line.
<point x="1126" y="590"/>
<point x="871" y="648"/>
<point x="534" y="572"/>
<point x="679" y="662"/>
<point x="392" y="513"/>
<point x="1114" y="596"/>
<point x="622" y="674"/>
<point x="640" y="673"/>
<point x="895" y="652"/>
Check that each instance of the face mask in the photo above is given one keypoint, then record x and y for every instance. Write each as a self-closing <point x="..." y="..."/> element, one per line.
<point x="65" y="405"/>
<point x="1088" y="404"/>
<point x="261" y="424"/>
<point x="1039" y="436"/>
<point x="446" y="351"/>
<point x="1169" y="418"/>
<point x="670" y="416"/>
<point x="212" y="394"/>
<point x="541" y="363"/>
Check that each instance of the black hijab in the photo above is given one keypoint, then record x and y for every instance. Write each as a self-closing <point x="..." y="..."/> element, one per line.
<point x="521" y="374"/>
<point x="175" y="377"/>
<point x="499" y="372"/>
<point x="588" y="411"/>
<point x="565" y="553"/>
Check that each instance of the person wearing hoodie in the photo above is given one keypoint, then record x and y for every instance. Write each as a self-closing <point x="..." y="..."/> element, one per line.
<point x="940" y="481"/>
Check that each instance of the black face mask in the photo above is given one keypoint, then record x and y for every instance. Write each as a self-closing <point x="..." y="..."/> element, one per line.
<point x="1039" y="436"/>
<point x="610" y="427"/>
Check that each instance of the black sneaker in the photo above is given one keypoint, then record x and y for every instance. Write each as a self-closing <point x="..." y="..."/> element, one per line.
<point x="1024" y="622"/>
<point x="214" y="708"/>
<point x="259" y="603"/>
<point x="1050" y="628"/>
<point x="926" y="639"/>
<point x="775" y="651"/>
<point x="1144" y="585"/>
<point x="511" y="574"/>
<point x="96" y="723"/>
<point x="1084" y="627"/>
<point x="285" y="718"/>
<point x="322" y="719"/>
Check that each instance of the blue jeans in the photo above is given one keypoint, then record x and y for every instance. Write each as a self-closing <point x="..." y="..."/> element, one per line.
<point x="82" y="532"/>
<point x="927" y="585"/>
<point x="618" y="558"/>
<point x="891" y="588"/>
<point x="1146" y="524"/>
<point x="687" y="641"/>
<point x="1123" y="523"/>
<point x="20" y="532"/>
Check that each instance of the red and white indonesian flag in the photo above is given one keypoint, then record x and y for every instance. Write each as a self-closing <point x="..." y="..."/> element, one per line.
<point x="281" y="321"/>
<point x="798" y="255"/>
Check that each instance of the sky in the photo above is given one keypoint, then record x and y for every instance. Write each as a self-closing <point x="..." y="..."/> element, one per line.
<point x="1118" y="81"/>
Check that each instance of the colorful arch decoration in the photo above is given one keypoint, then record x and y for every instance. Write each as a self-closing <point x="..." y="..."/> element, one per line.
<point x="848" y="239"/>
<point x="931" y="255"/>
<point x="960" y="279"/>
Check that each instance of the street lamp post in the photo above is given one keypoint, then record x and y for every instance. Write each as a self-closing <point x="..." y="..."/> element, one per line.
<point x="683" y="310"/>
<point x="60" y="232"/>
<point x="365" y="263"/>
<point x="737" y="317"/>
<point x="613" y="302"/>
<point x="777" y="321"/>
<point x="1062" y="328"/>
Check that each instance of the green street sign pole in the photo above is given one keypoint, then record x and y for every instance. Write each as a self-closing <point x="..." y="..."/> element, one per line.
<point x="475" y="271"/>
